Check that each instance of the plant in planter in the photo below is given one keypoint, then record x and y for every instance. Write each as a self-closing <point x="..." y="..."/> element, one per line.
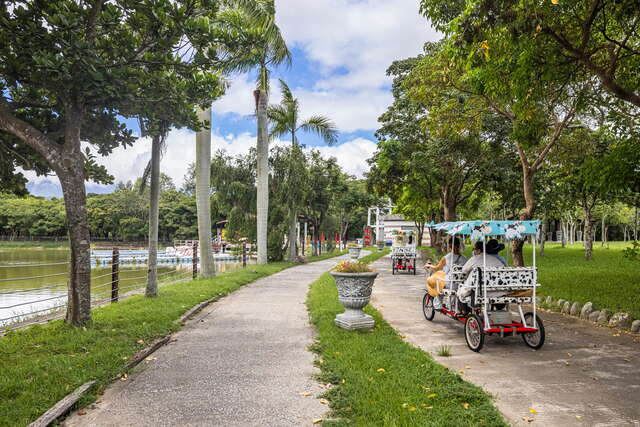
<point x="354" y="250"/>
<point x="354" y="281"/>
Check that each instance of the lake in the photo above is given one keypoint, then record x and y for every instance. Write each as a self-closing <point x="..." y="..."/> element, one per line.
<point x="34" y="280"/>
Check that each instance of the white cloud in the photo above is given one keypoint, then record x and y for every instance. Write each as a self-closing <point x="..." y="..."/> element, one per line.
<point x="360" y="37"/>
<point x="352" y="156"/>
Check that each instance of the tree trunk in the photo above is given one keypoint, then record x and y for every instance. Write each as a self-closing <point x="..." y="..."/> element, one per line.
<point x="588" y="235"/>
<point x="203" y="199"/>
<point x="525" y="215"/>
<point x="262" y="200"/>
<point x="563" y="239"/>
<point x="293" y="236"/>
<point x="543" y="238"/>
<point x="72" y="176"/>
<point x="603" y="232"/>
<point x="154" y="212"/>
<point x="315" y="240"/>
<point x="420" y="227"/>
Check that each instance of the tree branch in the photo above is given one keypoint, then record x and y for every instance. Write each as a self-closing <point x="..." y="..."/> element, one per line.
<point x="93" y="17"/>
<point x="554" y="139"/>
<point x="27" y="133"/>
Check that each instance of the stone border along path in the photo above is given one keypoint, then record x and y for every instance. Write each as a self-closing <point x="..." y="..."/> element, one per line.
<point x="583" y="376"/>
<point x="242" y="361"/>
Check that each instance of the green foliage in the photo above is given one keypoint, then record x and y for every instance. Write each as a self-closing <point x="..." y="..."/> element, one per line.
<point x="632" y="252"/>
<point x="121" y="215"/>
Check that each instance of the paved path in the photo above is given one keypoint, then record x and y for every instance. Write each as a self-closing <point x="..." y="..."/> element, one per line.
<point x="243" y="362"/>
<point x="583" y="376"/>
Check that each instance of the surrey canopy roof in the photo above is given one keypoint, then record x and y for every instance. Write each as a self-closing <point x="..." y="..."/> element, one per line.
<point x="479" y="229"/>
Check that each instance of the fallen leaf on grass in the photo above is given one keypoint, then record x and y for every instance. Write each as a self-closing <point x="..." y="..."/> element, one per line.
<point x="424" y="405"/>
<point x="381" y="370"/>
<point x="316" y="421"/>
<point x="432" y="395"/>
<point x="411" y="408"/>
<point x="461" y="371"/>
<point x="425" y="388"/>
<point x="140" y="341"/>
<point x="324" y="401"/>
<point x="465" y="405"/>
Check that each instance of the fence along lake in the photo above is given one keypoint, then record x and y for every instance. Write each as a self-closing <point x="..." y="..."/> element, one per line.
<point x="33" y="281"/>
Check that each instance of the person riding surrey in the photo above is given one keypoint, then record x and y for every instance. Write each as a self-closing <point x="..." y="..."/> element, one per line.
<point x="492" y="259"/>
<point x="437" y="281"/>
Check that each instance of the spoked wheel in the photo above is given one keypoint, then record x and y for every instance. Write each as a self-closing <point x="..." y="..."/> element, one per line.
<point x="473" y="332"/>
<point x="427" y="307"/>
<point x="535" y="340"/>
<point x="393" y="266"/>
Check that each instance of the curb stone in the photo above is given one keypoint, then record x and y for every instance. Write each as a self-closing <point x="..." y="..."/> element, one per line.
<point x="620" y="320"/>
<point x="604" y="316"/>
<point x="593" y="317"/>
<point x="576" y="308"/>
<point x="560" y="302"/>
<point x="549" y="300"/>
<point x="566" y="307"/>
<point x="635" y="326"/>
<point x="587" y="309"/>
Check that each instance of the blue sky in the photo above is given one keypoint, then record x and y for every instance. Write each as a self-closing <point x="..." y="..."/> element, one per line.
<point x="340" y="50"/>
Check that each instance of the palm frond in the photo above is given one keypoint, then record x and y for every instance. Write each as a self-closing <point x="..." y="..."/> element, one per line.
<point x="323" y="127"/>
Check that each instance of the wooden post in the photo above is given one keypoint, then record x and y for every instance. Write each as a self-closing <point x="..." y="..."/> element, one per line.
<point x="244" y="254"/>
<point x="195" y="260"/>
<point x="115" y="270"/>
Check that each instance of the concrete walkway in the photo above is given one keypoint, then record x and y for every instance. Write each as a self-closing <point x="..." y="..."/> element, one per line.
<point x="583" y="376"/>
<point x="243" y="362"/>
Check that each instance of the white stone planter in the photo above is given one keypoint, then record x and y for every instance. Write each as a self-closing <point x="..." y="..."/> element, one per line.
<point x="354" y="253"/>
<point x="354" y="292"/>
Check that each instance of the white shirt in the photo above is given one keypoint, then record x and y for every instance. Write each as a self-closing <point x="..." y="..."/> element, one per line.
<point x="453" y="259"/>
<point x="477" y="261"/>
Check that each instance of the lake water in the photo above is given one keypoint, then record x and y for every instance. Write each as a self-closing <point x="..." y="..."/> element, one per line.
<point x="34" y="280"/>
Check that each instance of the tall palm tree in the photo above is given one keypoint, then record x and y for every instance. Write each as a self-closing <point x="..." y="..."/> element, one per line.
<point x="151" y="174"/>
<point x="285" y="120"/>
<point x="253" y="22"/>
<point x="203" y="199"/>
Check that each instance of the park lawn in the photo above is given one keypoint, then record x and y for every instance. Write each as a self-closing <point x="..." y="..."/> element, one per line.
<point x="608" y="281"/>
<point x="381" y="380"/>
<point x="42" y="364"/>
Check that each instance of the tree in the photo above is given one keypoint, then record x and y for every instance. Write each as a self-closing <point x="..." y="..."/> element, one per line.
<point x="595" y="37"/>
<point x="203" y="194"/>
<point x="285" y="120"/>
<point x="254" y="21"/>
<point x="539" y="106"/>
<point x="69" y="71"/>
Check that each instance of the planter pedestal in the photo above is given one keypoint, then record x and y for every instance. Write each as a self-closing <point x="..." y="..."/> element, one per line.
<point x="354" y="253"/>
<point x="354" y="292"/>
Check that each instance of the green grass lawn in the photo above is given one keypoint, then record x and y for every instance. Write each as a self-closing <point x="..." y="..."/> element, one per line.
<point x="42" y="364"/>
<point x="608" y="281"/>
<point x="380" y="380"/>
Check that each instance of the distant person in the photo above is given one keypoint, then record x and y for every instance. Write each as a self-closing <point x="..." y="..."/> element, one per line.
<point x="437" y="281"/>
